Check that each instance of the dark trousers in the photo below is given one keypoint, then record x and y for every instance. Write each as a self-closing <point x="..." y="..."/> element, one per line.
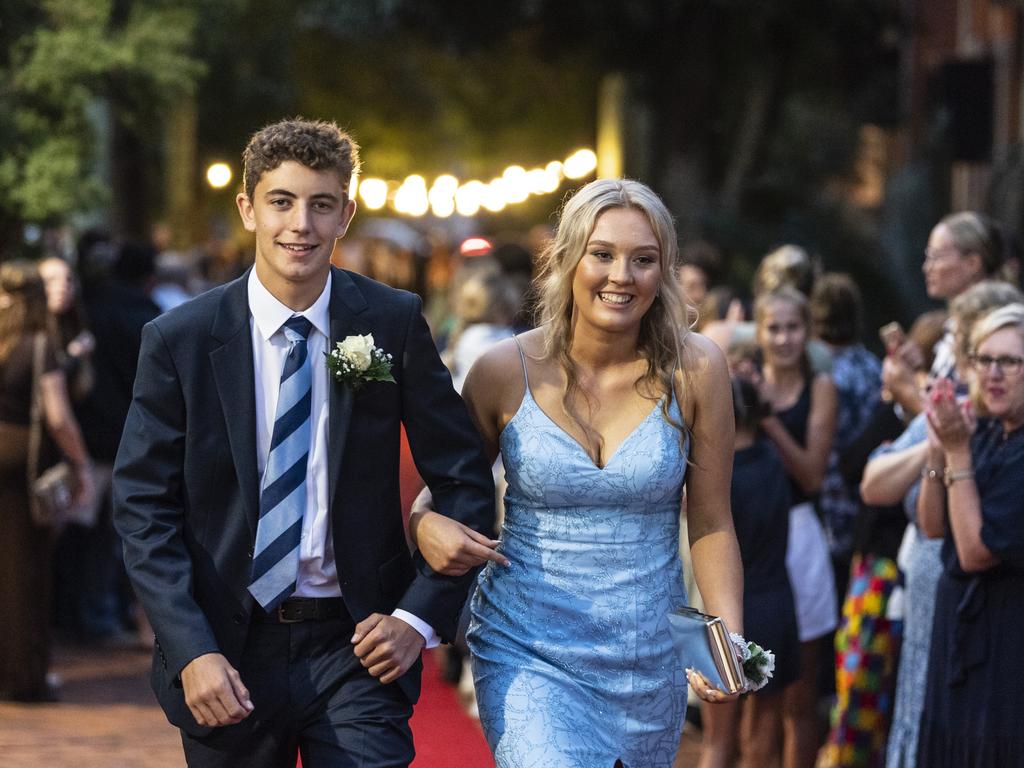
<point x="310" y="696"/>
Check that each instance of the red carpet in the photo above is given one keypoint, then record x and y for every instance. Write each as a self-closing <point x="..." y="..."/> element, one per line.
<point x="445" y="736"/>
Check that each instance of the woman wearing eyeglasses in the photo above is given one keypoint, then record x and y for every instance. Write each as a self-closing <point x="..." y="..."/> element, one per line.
<point x="963" y="249"/>
<point x="973" y="496"/>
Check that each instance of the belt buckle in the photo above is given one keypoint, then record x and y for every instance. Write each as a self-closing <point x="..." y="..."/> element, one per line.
<point x="282" y="619"/>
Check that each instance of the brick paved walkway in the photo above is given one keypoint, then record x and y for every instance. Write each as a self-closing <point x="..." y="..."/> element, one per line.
<point x="107" y="718"/>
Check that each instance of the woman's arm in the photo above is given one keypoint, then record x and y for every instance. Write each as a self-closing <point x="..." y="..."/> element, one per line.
<point x="965" y="515"/>
<point x="931" y="501"/>
<point x="63" y="427"/>
<point x="807" y="463"/>
<point x="713" y="548"/>
<point x="888" y="477"/>
<point x="714" y="551"/>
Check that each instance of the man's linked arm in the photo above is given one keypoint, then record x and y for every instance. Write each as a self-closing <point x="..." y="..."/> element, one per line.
<point x="450" y="458"/>
<point x="148" y="506"/>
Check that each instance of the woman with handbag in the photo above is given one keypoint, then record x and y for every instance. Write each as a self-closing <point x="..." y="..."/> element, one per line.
<point x="601" y="415"/>
<point x="33" y="397"/>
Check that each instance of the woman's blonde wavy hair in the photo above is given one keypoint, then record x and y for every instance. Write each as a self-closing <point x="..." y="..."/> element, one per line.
<point x="663" y="328"/>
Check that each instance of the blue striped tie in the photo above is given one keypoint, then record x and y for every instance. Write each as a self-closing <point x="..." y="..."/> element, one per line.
<point x="283" y="498"/>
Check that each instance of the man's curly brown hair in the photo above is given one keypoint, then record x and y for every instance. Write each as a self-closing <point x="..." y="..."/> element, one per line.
<point x="316" y="144"/>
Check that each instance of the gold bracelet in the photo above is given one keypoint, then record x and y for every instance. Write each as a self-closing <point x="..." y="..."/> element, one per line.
<point x="950" y="476"/>
<point x="930" y="473"/>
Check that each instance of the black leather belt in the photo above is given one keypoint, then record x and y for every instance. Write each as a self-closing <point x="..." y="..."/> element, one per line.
<point x="296" y="609"/>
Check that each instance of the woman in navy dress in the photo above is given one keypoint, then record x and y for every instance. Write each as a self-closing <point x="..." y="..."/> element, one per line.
<point x="972" y="496"/>
<point x="600" y="415"/>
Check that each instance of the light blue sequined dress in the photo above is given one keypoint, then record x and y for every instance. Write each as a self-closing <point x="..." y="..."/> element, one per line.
<point x="572" y="657"/>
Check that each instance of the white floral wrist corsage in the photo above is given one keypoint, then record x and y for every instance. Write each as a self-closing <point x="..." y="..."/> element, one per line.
<point x="758" y="663"/>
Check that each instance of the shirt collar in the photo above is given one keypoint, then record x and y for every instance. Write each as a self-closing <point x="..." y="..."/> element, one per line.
<point x="269" y="314"/>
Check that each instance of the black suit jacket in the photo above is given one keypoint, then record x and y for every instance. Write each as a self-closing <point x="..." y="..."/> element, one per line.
<point x="186" y="483"/>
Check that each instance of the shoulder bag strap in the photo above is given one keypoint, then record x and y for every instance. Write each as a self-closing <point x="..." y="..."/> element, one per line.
<point x="35" y="431"/>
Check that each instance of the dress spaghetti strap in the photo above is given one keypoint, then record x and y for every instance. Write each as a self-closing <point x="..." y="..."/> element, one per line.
<point x="522" y="358"/>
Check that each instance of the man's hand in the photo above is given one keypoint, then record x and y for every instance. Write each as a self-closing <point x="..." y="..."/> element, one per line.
<point x="387" y="646"/>
<point x="214" y="691"/>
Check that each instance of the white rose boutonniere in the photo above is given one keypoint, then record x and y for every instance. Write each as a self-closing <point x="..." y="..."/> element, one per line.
<point x="355" y="361"/>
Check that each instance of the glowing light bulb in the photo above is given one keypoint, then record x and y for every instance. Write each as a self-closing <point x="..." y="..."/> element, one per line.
<point x="517" y="185"/>
<point x="580" y="163"/>
<point x="411" y="197"/>
<point x="373" y="193"/>
<point x="494" y="197"/>
<point x="218" y="175"/>
<point x="468" y="198"/>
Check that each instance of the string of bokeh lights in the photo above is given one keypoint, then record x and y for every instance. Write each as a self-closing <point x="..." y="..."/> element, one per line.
<point x="447" y="195"/>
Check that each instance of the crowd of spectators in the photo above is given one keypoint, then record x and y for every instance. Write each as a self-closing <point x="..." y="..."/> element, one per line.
<point x="876" y="498"/>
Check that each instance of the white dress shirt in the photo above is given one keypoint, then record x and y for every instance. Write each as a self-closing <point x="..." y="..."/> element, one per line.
<point x="318" y="575"/>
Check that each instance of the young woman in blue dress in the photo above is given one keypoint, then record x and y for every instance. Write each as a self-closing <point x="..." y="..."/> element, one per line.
<point x="601" y="415"/>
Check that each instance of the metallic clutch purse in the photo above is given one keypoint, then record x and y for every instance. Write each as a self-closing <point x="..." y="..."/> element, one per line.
<point x="703" y="643"/>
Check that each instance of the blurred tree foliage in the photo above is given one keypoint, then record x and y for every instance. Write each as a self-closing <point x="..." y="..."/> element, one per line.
<point x="67" y="67"/>
<point x="744" y="114"/>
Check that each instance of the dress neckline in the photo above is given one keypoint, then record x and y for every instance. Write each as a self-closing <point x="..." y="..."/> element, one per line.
<point x="528" y="396"/>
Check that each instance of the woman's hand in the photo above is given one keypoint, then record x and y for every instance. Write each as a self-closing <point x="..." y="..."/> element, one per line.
<point x="952" y="423"/>
<point x="899" y="380"/>
<point x="85" y="486"/>
<point x="83" y="344"/>
<point x="705" y="690"/>
<point x="448" y="546"/>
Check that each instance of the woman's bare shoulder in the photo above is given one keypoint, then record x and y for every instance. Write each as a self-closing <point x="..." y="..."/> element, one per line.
<point x="499" y="371"/>
<point x="703" y="360"/>
<point x="498" y="360"/>
<point x="703" y="375"/>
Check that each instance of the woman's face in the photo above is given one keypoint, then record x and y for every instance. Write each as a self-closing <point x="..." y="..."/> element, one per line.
<point x="782" y="334"/>
<point x="948" y="271"/>
<point x="617" y="278"/>
<point x="1000" y="386"/>
<point x="59" y="285"/>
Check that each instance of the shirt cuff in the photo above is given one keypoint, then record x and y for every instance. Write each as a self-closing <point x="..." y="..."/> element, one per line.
<point x="429" y="635"/>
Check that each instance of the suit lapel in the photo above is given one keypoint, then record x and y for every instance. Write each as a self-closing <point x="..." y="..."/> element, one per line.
<point x="346" y="302"/>
<point x="232" y="365"/>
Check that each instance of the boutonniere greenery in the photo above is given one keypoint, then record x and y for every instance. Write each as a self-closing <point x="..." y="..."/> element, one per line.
<point x="355" y="361"/>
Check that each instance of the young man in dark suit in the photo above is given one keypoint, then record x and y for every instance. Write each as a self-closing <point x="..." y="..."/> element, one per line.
<point x="258" y="497"/>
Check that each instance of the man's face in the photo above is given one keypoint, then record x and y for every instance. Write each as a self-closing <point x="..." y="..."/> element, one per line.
<point x="297" y="214"/>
